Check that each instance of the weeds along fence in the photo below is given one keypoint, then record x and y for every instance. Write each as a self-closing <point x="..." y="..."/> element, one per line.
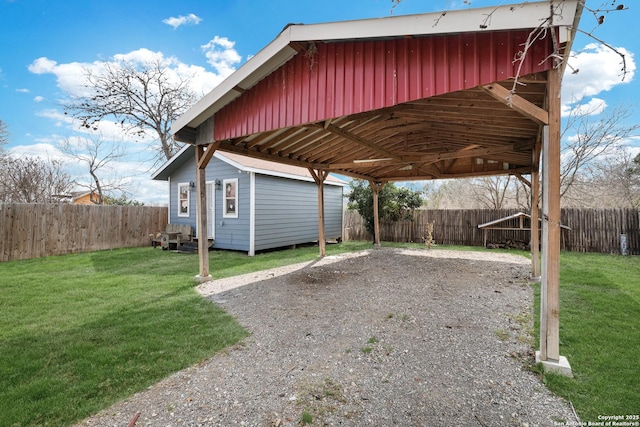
<point x="38" y="230"/>
<point x="592" y="230"/>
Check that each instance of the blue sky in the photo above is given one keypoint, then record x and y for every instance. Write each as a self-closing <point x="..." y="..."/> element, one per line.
<point x="44" y="44"/>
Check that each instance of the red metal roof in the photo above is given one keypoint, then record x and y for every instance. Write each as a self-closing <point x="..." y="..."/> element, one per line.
<point x="328" y="80"/>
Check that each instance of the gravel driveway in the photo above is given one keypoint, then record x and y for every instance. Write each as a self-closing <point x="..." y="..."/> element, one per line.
<point x="386" y="337"/>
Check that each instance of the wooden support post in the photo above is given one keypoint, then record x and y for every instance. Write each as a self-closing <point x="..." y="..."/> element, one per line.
<point x="545" y="250"/>
<point x="375" y="189"/>
<point x="550" y="284"/>
<point x="201" y="212"/>
<point x="319" y="177"/>
<point x="535" y="224"/>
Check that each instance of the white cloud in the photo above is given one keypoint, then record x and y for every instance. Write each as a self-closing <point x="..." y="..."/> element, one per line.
<point x="42" y="65"/>
<point x="221" y="55"/>
<point x="593" y="107"/>
<point x="38" y="98"/>
<point x="71" y="77"/>
<point x="55" y="115"/>
<point x="22" y="90"/>
<point x="599" y="70"/>
<point x="175" y="22"/>
<point x="46" y="150"/>
<point x="141" y="56"/>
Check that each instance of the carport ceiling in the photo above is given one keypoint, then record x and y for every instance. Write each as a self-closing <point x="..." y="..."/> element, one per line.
<point x="464" y="133"/>
<point x="368" y="100"/>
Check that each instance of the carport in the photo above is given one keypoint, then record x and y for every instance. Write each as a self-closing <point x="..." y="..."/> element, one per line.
<point x="455" y="94"/>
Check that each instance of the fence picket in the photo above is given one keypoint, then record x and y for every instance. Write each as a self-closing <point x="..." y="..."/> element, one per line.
<point x="592" y="230"/>
<point x="37" y="230"/>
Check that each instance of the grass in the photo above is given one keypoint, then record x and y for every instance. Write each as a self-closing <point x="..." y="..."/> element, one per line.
<point x="320" y="399"/>
<point x="599" y="333"/>
<point x="306" y="418"/>
<point x="80" y="332"/>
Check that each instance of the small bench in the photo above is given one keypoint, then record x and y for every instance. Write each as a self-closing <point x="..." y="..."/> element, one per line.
<point x="173" y="236"/>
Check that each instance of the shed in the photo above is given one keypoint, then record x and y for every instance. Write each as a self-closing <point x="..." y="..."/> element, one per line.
<point x="252" y="204"/>
<point x="439" y="95"/>
<point x="517" y="222"/>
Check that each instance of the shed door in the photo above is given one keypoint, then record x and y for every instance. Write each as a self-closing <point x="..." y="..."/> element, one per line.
<point x="211" y="210"/>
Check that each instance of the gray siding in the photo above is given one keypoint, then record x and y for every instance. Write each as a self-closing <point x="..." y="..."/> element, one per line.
<point x="287" y="212"/>
<point x="186" y="173"/>
<point x="286" y="209"/>
<point x="231" y="233"/>
<point x="333" y="211"/>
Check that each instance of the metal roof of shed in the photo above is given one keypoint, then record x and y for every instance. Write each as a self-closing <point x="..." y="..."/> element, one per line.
<point x="242" y="163"/>
<point x="519" y="215"/>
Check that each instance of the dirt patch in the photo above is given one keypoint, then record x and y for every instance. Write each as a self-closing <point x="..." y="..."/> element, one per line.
<point x="387" y="337"/>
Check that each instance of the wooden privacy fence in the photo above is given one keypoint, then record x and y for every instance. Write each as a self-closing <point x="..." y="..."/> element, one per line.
<point x="38" y="230"/>
<point x="592" y="230"/>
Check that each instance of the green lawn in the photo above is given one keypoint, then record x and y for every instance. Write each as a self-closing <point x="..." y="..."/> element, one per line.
<point x="599" y="334"/>
<point x="79" y="332"/>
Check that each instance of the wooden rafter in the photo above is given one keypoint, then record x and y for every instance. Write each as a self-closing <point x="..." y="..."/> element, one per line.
<point x="518" y="103"/>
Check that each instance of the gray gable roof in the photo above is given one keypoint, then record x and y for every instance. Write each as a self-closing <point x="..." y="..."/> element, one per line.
<point x="243" y="163"/>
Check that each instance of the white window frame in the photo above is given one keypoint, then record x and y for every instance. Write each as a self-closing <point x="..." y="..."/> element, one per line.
<point x="186" y="186"/>
<point x="228" y="196"/>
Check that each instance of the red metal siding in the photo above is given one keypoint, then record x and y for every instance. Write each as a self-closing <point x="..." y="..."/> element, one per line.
<point x="353" y="77"/>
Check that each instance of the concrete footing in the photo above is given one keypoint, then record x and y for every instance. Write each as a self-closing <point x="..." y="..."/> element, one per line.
<point x="560" y="367"/>
<point x="202" y="279"/>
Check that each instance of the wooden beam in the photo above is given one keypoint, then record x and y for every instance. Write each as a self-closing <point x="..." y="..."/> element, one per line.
<point x="535" y="205"/>
<point x="461" y="154"/>
<point x="208" y="154"/>
<point x="364" y="165"/>
<point x="476" y="173"/>
<point x="201" y="217"/>
<point x="225" y="146"/>
<point x="375" y="189"/>
<point x="523" y="180"/>
<point x="535" y="225"/>
<point x="550" y="283"/>
<point x="319" y="177"/>
<point x="186" y="134"/>
<point x="361" y="141"/>
<point x="518" y="103"/>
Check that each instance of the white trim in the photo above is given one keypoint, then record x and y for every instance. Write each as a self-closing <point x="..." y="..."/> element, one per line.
<point x="252" y="213"/>
<point x="170" y="161"/>
<point x="234" y="182"/>
<point x="497" y="18"/>
<point x="270" y="172"/>
<point x="169" y="204"/>
<point x="180" y="213"/>
<point x="211" y="201"/>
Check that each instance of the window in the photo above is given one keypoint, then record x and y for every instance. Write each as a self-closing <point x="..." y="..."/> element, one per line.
<point x="184" y="191"/>
<point x="230" y="198"/>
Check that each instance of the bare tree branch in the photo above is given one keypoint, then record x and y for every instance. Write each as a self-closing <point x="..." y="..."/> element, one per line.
<point x="32" y="180"/>
<point x="142" y="98"/>
<point x="4" y="134"/>
<point x="593" y="138"/>
<point x="96" y="155"/>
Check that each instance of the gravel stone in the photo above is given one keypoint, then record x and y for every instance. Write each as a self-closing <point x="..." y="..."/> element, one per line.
<point x="385" y="337"/>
